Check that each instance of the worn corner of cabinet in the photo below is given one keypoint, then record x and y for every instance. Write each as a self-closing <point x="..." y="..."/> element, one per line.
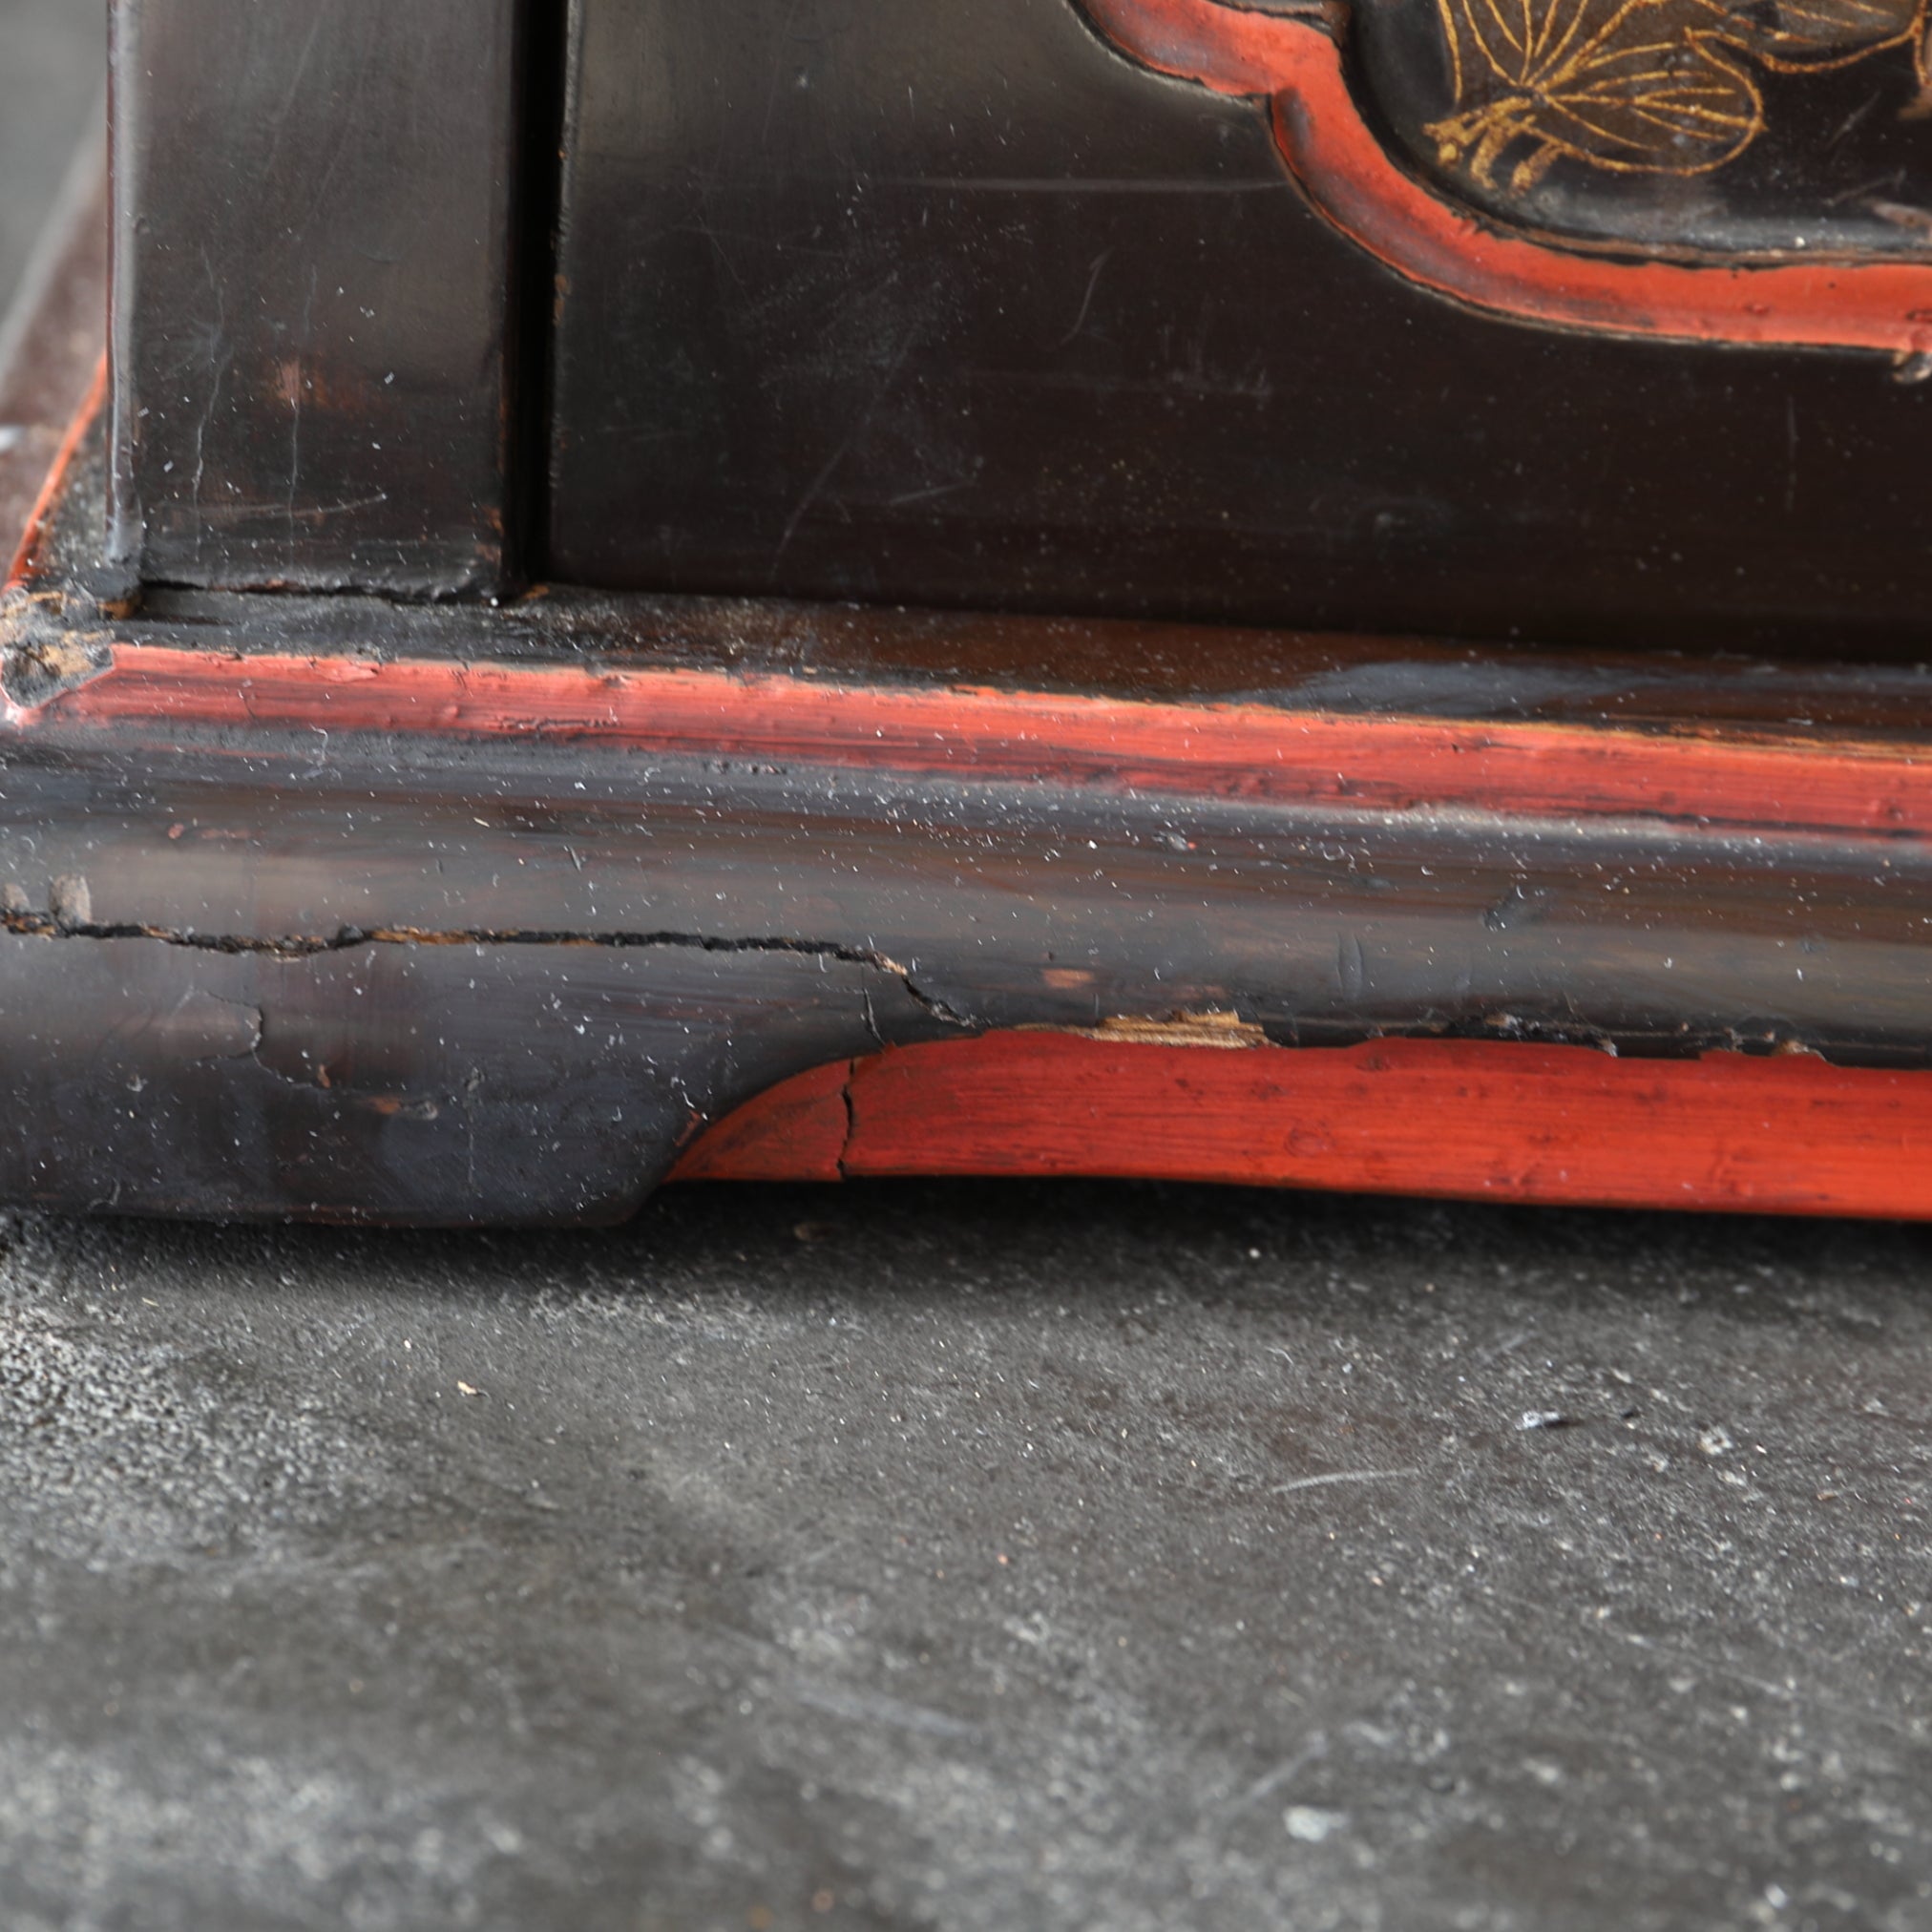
<point x="40" y="657"/>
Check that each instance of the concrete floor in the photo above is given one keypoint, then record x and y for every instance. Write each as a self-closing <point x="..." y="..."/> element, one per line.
<point x="973" y="1556"/>
<point x="964" y="1556"/>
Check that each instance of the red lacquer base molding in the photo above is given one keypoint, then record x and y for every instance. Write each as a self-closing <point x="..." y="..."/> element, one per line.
<point x="1263" y="754"/>
<point x="1465" y="1119"/>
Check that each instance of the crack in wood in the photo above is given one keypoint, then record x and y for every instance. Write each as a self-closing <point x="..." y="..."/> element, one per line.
<point x="33" y="925"/>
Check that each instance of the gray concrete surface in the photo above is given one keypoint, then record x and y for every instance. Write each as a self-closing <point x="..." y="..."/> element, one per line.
<point x="973" y="1556"/>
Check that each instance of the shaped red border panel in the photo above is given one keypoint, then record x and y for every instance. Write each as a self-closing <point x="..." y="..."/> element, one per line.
<point x="1292" y="63"/>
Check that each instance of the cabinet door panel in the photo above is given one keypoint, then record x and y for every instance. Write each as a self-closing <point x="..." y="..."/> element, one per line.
<point x="963" y="303"/>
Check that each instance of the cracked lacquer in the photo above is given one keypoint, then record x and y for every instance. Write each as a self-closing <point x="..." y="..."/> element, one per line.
<point x="69" y="906"/>
<point x="452" y="1083"/>
<point x="641" y="943"/>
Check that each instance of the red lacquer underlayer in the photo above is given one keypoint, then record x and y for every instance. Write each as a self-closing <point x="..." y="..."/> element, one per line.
<point x="1472" y="1119"/>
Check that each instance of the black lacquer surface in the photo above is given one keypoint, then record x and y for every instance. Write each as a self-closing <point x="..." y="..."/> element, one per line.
<point x="312" y="291"/>
<point x="950" y="304"/>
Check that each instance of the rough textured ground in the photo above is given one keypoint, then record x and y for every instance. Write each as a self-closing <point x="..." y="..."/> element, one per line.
<point x="973" y="1556"/>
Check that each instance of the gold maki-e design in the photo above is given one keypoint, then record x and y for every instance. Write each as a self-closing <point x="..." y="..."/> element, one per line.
<point x="1637" y="86"/>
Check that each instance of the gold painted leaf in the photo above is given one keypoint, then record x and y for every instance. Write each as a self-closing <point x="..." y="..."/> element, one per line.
<point x="1625" y="84"/>
<point x="1814" y="33"/>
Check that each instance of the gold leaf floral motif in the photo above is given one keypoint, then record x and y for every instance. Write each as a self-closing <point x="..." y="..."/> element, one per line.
<point x="1636" y="86"/>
